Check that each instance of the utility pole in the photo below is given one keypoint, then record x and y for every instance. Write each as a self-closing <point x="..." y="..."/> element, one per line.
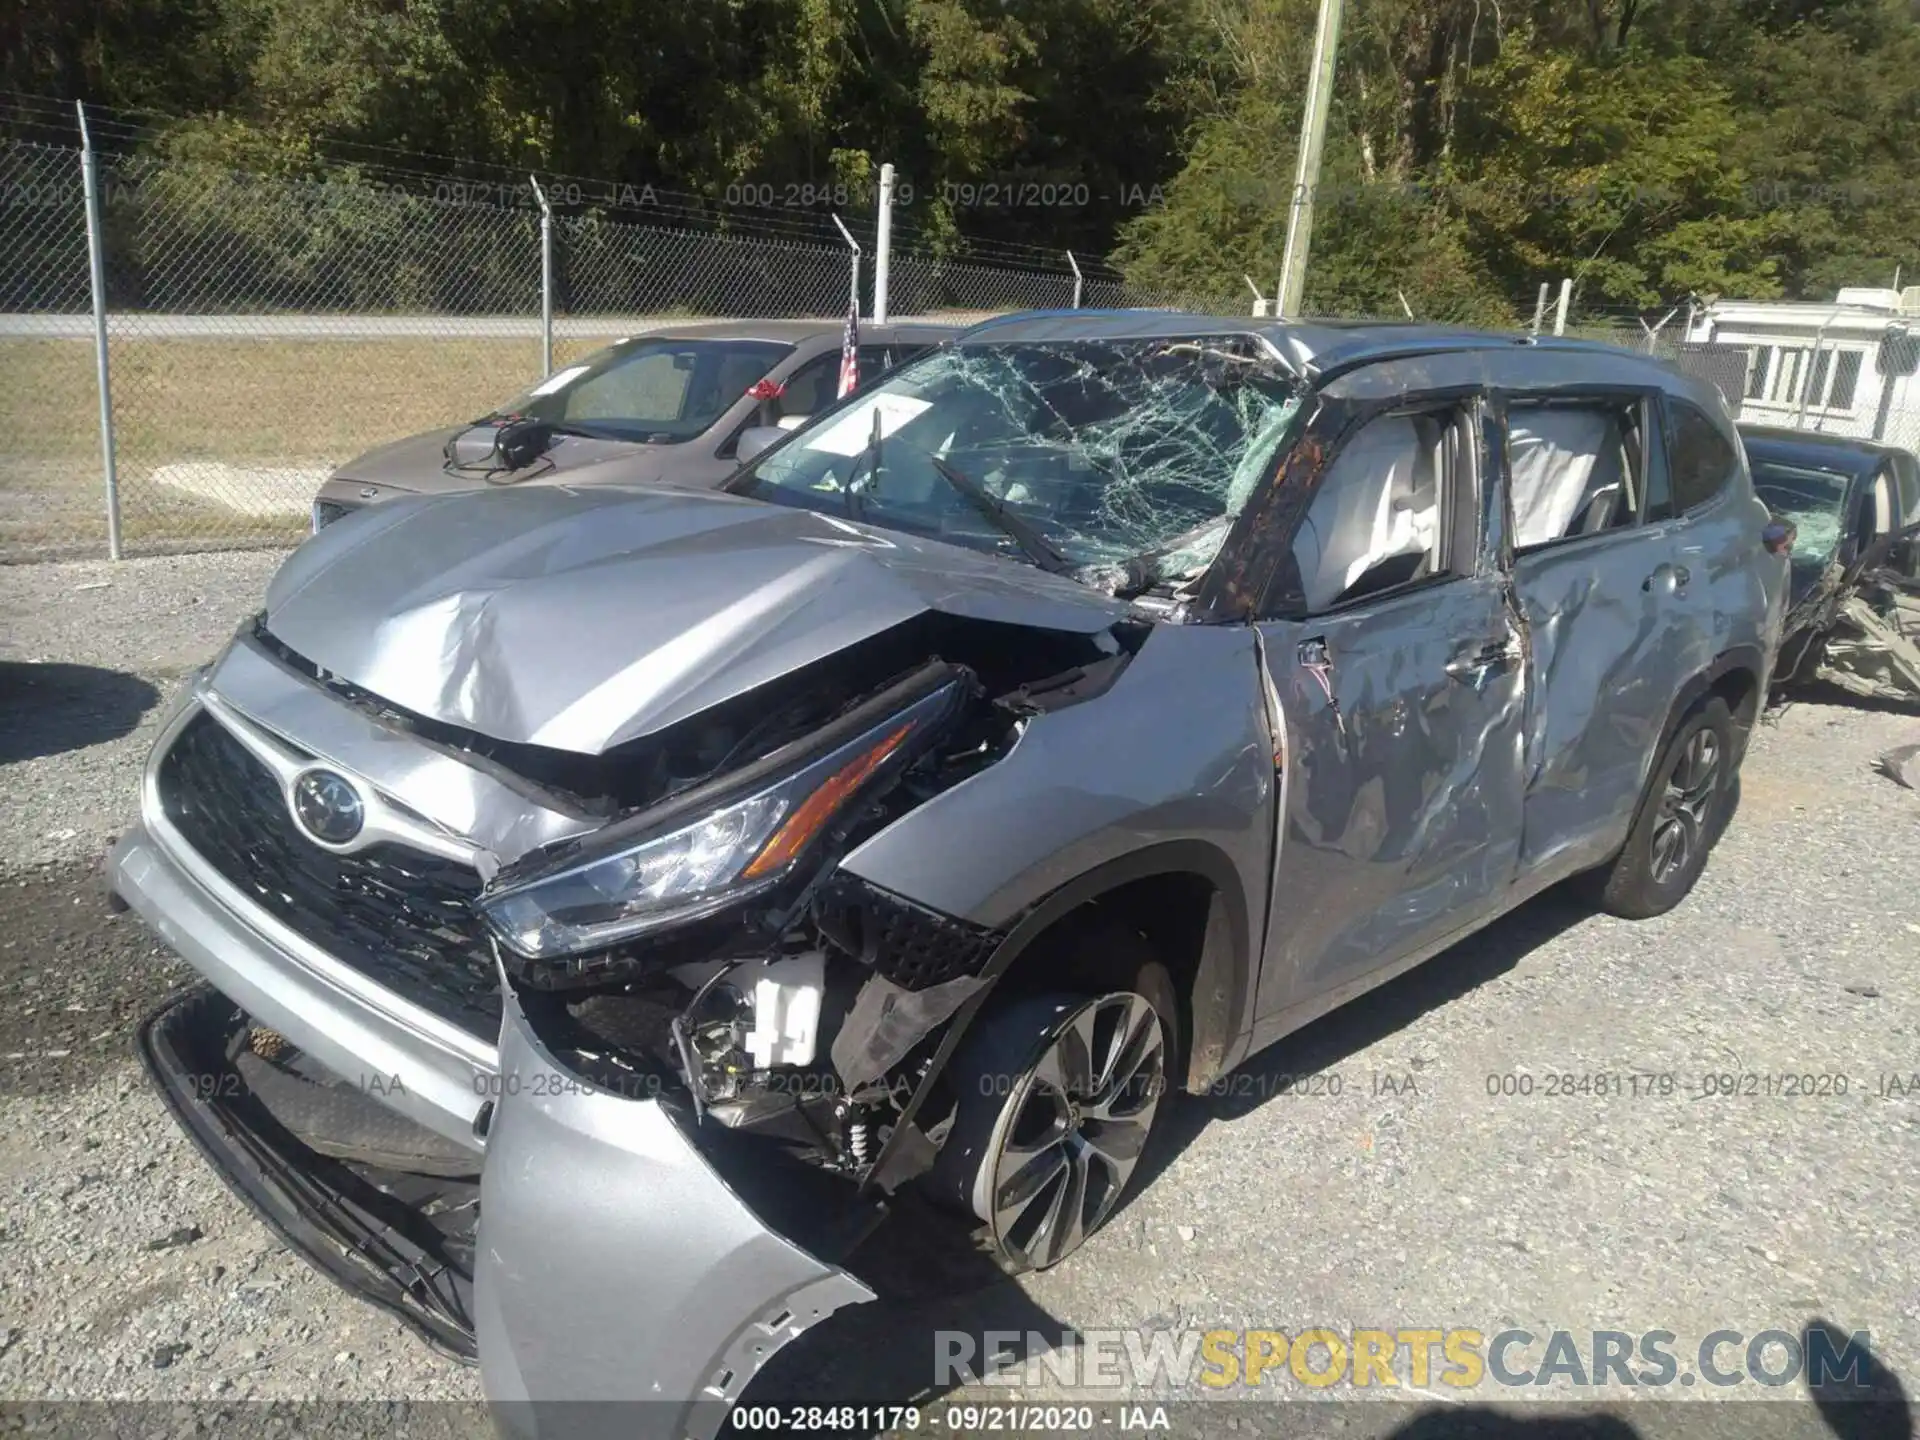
<point x="1306" y="175"/>
<point x="883" y="246"/>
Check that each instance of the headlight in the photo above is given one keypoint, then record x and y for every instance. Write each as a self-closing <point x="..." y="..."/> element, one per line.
<point x="739" y="846"/>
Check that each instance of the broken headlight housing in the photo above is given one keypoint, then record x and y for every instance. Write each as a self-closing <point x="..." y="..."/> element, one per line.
<point x="724" y="842"/>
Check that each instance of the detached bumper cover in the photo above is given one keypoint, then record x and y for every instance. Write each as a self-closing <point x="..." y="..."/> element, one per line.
<point x="404" y="1242"/>
<point x="616" y="1267"/>
<point x="622" y="1288"/>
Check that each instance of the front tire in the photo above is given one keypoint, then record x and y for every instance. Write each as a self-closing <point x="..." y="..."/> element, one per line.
<point x="1679" y="819"/>
<point x="1058" y="1096"/>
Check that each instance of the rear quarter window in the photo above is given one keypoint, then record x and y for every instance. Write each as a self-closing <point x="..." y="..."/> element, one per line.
<point x="1700" y="458"/>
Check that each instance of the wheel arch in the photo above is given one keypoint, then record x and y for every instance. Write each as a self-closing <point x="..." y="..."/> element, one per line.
<point x="1217" y="990"/>
<point x="1735" y="676"/>
<point x="1185" y="897"/>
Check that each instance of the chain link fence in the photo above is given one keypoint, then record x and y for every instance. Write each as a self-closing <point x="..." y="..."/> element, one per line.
<point x="260" y="331"/>
<point x="1786" y="375"/>
<point x="51" y="490"/>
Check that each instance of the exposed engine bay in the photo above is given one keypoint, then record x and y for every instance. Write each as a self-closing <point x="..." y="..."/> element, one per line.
<point x="805" y="1009"/>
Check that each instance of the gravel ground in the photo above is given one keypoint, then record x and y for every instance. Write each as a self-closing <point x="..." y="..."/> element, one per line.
<point x="1412" y="1197"/>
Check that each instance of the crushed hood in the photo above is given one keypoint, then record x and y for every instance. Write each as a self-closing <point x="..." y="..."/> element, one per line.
<point x="579" y="619"/>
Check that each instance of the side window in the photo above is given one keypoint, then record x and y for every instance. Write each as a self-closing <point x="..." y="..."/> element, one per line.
<point x="1700" y="458"/>
<point x="811" y="388"/>
<point x="1906" y="482"/>
<point x="1874" y="516"/>
<point x="805" y="392"/>
<point x="1573" y="469"/>
<point x="1381" y="516"/>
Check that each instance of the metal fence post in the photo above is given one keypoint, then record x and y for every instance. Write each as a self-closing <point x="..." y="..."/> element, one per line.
<point x="1806" y="375"/>
<point x="546" y="279"/>
<point x="1653" y="331"/>
<point x="883" y="246"/>
<point x="854" y="246"/>
<point x="1077" y="282"/>
<point x="97" y="278"/>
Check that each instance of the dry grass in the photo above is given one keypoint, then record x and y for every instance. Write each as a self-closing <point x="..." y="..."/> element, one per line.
<point x="303" y="403"/>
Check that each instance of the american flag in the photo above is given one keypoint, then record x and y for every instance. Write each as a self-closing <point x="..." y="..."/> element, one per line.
<point x="850" y="354"/>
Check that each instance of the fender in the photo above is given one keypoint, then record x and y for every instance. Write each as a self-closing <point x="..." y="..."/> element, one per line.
<point x="1218" y="999"/>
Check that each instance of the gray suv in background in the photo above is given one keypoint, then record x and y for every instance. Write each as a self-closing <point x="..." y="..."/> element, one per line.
<point x="671" y="403"/>
<point x="686" y="879"/>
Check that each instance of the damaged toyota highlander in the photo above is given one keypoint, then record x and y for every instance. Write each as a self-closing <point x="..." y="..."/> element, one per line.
<point x="614" y="905"/>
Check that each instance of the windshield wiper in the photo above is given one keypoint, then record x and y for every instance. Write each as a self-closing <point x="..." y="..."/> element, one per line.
<point x="1036" y="546"/>
<point x="501" y="418"/>
<point x="867" y="462"/>
<point x="1138" y="573"/>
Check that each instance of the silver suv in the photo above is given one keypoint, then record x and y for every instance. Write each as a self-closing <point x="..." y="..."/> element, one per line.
<point x="687" y="878"/>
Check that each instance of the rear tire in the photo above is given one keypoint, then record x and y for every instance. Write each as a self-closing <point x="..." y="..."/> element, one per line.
<point x="1680" y="817"/>
<point x="1058" y="1097"/>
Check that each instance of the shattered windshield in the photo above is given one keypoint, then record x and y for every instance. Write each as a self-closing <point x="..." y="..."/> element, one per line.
<point x="1120" y="461"/>
<point x="1814" y="501"/>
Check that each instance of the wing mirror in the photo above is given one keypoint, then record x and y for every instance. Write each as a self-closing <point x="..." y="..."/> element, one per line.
<point x="755" y="439"/>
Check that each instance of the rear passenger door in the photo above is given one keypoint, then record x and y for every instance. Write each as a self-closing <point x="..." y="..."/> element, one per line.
<point x="1603" y="570"/>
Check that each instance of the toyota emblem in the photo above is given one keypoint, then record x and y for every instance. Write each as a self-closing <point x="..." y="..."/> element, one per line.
<point x="328" y="807"/>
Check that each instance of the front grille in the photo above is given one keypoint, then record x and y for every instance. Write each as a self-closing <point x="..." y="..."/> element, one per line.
<point x="402" y="918"/>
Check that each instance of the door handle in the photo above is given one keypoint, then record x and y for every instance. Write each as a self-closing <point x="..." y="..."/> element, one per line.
<point x="1494" y="655"/>
<point x="1667" y="578"/>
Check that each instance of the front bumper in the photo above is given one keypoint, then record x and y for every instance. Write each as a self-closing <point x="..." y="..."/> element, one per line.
<point x="617" y="1285"/>
<point x="431" y="1072"/>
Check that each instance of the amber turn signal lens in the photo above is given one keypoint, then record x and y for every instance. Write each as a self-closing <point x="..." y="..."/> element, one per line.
<point x="814" y="812"/>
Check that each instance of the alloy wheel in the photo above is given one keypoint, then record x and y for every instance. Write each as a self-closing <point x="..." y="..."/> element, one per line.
<point x="1073" y="1129"/>
<point x="1686" y="804"/>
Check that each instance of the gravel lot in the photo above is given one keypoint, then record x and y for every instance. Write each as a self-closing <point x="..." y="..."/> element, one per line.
<point x="128" y="1271"/>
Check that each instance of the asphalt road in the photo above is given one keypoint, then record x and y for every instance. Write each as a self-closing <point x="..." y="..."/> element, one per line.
<point x="1432" y="1171"/>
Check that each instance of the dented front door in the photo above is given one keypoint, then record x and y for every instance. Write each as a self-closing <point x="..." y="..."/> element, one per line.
<point x="1401" y="780"/>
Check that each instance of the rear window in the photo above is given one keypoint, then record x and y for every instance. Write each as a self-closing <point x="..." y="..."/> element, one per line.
<point x="650" y="389"/>
<point x="1700" y="458"/>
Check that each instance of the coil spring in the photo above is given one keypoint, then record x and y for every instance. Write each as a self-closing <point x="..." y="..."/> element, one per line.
<point x="859" y="1141"/>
